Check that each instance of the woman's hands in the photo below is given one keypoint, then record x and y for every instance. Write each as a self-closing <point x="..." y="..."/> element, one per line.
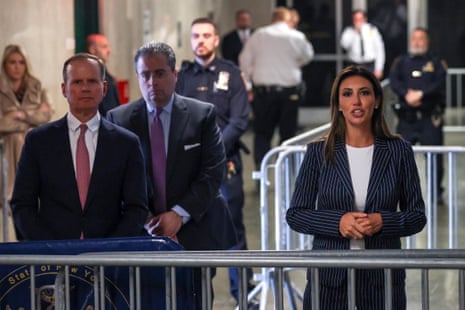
<point x="358" y="225"/>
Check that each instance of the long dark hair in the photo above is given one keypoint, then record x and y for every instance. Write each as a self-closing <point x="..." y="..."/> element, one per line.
<point x="337" y="129"/>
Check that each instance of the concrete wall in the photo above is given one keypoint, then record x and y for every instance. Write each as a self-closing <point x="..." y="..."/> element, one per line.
<point x="45" y="29"/>
<point x="128" y="24"/>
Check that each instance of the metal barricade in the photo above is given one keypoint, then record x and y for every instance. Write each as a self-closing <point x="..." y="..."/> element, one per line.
<point x="455" y="75"/>
<point x="276" y="261"/>
<point x="277" y="176"/>
<point x="4" y="180"/>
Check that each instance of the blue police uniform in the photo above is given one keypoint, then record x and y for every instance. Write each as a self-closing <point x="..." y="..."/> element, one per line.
<point x="421" y="124"/>
<point x="222" y="84"/>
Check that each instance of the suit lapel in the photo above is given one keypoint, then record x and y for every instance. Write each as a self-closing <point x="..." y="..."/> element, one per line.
<point x="139" y="125"/>
<point x="101" y="160"/>
<point x="342" y="168"/>
<point x="64" y="164"/>
<point x="238" y="39"/>
<point x="179" y="119"/>
<point x="381" y="156"/>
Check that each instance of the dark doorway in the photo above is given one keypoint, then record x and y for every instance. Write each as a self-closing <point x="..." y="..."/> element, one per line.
<point x="86" y="21"/>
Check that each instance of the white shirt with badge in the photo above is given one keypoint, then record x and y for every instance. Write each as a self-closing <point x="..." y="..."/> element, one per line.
<point x="373" y="45"/>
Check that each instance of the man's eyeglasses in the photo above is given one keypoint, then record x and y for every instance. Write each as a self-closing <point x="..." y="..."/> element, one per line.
<point x="147" y="75"/>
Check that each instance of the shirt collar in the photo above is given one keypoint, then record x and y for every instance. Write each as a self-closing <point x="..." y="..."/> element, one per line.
<point x="167" y="108"/>
<point x="210" y="68"/>
<point x="92" y="125"/>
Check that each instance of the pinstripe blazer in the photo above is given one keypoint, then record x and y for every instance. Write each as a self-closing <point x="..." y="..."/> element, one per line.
<point x="324" y="193"/>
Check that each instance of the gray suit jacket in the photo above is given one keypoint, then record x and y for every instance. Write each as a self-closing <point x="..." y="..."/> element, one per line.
<point x="194" y="172"/>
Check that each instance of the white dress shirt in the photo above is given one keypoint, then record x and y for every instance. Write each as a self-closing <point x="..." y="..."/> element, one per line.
<point x="244" y="35"/>
<point x="274" y="55"/>
<point x="373" y="45"/>
<point x="360" y="159"/>
<point x="91" y="136"/>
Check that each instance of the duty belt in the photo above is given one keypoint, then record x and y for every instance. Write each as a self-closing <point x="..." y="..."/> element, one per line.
<point x="411" y="116"/>
<point x="273" y="88"/>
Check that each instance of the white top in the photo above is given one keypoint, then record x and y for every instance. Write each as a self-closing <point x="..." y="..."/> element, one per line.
<point x="360" y="159"/>
<point x="274" y="55"/>
<point x="373" y="45"/>
<point x="91" y="136"/>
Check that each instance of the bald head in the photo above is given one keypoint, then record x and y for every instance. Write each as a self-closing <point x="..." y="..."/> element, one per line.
<point x="97" y="44"/>
<point x="281" y="14"/>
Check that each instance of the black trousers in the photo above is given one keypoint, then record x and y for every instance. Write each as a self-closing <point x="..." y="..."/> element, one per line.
<point x="367" y="295"/>
<point x="233" y="190"/>
<point x="274" y="107"/>
<point x="426" y="130"/>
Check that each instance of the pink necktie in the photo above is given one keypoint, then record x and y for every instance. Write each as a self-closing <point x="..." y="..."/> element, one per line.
<point x="158" y="163"/>
<point x="82" y="165"/>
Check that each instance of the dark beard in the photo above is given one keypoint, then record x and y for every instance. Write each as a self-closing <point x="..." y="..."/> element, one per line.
<point x="206" y="56"/>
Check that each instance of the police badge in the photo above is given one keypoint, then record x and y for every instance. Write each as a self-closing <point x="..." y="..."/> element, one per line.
<point x="222" y="82"/>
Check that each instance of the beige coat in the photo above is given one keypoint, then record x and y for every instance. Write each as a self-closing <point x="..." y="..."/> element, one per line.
<point x="12" y="131"/>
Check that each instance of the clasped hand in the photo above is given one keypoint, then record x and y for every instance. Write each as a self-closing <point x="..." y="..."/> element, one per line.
<point x="166" y="224"/>
<point x="413" y="97"/>
<point x="358" y="225"/>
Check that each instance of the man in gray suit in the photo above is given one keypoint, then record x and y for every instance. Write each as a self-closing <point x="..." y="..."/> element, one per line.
<point x="193" y="212"/>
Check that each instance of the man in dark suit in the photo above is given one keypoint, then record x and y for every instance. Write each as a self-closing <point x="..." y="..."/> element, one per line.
<point x="97" y="44"/>
<point x="234" y="41"/>
<point x="80" y="176"/>
<point x="192" y="211"/>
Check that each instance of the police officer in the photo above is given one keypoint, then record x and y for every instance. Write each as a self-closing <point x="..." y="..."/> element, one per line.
<point x="220" y="82"/>
<point x="418" y="79"/>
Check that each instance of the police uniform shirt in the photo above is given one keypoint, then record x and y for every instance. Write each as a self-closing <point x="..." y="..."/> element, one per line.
<point x="426" y="73"/>
<point x="274" y="55"/>
<point x="373" y="45"/>
<point x="220" y="83"/>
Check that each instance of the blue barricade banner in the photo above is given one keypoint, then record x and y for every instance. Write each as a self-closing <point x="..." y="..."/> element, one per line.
<point x="15" y="280"/>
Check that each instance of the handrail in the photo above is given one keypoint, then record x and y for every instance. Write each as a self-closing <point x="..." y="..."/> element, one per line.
<point x="367" y="259"/>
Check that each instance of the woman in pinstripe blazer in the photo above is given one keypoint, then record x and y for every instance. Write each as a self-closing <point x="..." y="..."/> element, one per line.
<point x="358" y="188"/>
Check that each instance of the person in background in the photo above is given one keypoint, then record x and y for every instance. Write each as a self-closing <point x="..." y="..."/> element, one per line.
<point x="272" y="61"/>
<point x="184" y="155"/>
<point x="364" y="44"/>
<point x="98" y="45"/>
<point x="419" y="81"/>
<point x="80" y="177"/>
<point x="357" y="188"/>
<point x="234" y="41"/>
<point x="295" y="18"/>
<point x="218" y="81"/>
<point x="24" y="104"/>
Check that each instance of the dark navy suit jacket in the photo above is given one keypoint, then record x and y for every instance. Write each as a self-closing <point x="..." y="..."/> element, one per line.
<point x="231" y="46"/>
<point x="324" y="193"/>
<point x="195" y="169"/>
<point x="45" y="199"/>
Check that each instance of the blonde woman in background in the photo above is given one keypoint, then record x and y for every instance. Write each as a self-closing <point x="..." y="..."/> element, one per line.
<point x="24" y="104"/>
